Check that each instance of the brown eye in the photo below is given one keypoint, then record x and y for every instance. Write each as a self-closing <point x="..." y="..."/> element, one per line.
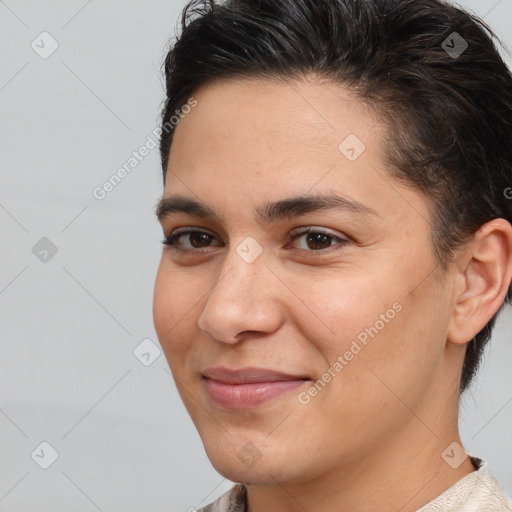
<point x="196" y="239"/>
<point x="317" y="241"/>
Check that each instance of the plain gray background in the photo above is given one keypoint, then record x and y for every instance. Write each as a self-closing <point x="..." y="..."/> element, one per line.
<point x="70" y="323"/>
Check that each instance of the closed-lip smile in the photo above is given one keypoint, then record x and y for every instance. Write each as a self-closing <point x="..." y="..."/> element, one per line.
<point x="249" y="386"/>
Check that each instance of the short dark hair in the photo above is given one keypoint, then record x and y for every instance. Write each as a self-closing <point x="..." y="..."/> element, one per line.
<point x="449" y="114"/>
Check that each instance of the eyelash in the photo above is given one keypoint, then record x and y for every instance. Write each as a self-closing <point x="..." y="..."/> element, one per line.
<point x="172" y="239"/>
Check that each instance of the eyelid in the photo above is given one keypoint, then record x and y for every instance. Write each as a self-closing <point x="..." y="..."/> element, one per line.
<point x="306" y="229"/>
<point x="188" y="229"/>
<point x="298" y="230"/>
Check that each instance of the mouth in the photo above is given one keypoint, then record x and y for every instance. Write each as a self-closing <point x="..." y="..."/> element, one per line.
<point x="248" y="387"/>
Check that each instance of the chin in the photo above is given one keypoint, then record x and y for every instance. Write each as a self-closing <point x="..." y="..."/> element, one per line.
<point x="259" y="474"/>
<point x="249" y="464"/>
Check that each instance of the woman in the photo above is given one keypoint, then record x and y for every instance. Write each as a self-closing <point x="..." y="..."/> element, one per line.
<point x="337" y="247"/>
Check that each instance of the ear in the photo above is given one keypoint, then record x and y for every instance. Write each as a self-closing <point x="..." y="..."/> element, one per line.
<point x="484" y="275"/>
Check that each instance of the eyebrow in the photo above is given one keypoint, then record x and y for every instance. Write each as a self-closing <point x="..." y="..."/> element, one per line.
<point x="269" y="212"/>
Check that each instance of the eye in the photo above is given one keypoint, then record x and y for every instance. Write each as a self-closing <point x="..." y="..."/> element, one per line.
<point x="316" y="240"/>
<point x="197" y="239"/>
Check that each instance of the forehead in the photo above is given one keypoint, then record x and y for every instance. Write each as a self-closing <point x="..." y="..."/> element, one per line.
<point x="253" y="141"/>
<point x="259" y="125"/>
<point x="291" y="110"/>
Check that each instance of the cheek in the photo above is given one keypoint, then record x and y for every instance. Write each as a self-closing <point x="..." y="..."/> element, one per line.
<point x="341" y="308"/>
<point x="372" y="320"/>
<point x="173" y="300"/>
<point x="405" y="340"/>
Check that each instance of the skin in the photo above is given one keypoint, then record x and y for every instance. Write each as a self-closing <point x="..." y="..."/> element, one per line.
<point x="372" y="438"/>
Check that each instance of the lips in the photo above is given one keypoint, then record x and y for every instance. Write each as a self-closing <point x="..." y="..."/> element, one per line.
<point x="248" y="387"/>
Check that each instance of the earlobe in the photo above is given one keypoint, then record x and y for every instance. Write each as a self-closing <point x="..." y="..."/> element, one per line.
<point x="485" y="279"/>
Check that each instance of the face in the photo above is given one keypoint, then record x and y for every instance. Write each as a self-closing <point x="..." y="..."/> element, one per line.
<point x="337" y="303"/>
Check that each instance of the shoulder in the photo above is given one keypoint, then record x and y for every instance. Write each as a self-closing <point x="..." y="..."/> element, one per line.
<point x="235" y="500"/>
<point x="477" y="491"/>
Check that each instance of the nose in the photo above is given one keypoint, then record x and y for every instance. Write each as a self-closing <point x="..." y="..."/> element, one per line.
<point x="245" y="297"/>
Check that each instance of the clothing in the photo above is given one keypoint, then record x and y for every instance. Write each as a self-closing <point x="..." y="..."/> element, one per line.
<point x="477" y="492"/>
